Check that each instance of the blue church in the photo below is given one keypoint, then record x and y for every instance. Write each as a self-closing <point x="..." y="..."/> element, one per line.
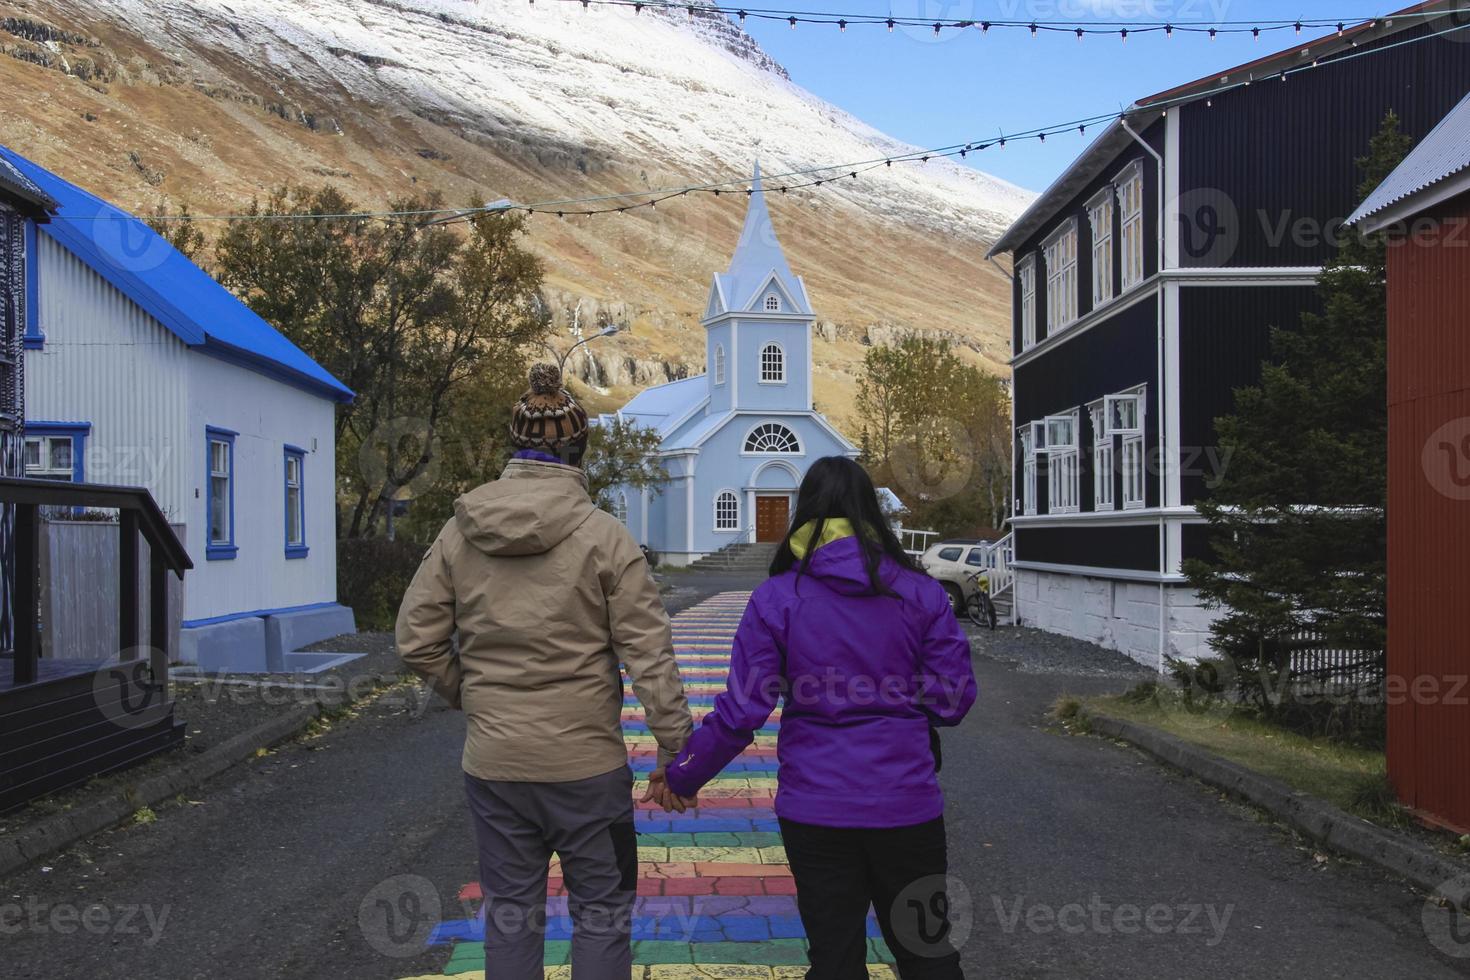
<point x="736" y="440"/>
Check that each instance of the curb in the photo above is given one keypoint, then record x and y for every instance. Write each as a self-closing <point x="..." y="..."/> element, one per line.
<point x="1317" y="819"/>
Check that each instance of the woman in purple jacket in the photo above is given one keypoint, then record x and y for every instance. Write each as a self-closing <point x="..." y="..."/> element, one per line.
<point x="865" y="654"/>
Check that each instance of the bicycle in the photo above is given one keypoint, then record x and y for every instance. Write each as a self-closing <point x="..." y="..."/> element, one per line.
<point x="979" y="607"/>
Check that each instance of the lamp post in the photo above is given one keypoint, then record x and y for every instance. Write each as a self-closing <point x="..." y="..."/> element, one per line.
<point x="606" y="331"/>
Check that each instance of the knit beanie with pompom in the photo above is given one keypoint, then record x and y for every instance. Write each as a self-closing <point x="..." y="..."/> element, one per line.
<point x="547" y="417"/>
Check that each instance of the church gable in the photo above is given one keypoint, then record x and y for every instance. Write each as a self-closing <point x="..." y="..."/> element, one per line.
<point x="774" y="296"/>
<point x="717" y="302"/>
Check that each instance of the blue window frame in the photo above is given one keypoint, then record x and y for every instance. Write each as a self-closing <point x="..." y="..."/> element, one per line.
<point x="56" y="450"/>
<point x="295" y="488"/>
<point x="34" y="339"/>
<point x="219" y="494"/>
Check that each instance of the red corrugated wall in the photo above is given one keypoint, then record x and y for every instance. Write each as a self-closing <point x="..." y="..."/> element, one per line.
<point x="1429" y="515"/>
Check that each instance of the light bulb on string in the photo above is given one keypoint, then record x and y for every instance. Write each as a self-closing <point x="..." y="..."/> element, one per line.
<point x="890" y="25"/>
<point x="1168" y="30"/>
<point x="1124" y="35"/>
<point x="1256" y="33"/>
<point x="741" y="15"/>
<point x="792" y="22"/>
<point x="936" y="28"/>
<point x="984" y="27"/>
<point x="1212" y="33"/>
<point x="1298" y="26"/>
<point x="1079" y="35"/>
<point x="1033" y="29"/>
<point x="842" y="26"/>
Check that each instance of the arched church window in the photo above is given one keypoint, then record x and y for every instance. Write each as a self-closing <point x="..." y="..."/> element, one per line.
<point x="773" y="364"/>
<point x="772" y="437"/>
<point x="620" y="506"/>
<point x="727" y="511"/>
<point x="719" y="364"/>
<point x="773" y="304"/>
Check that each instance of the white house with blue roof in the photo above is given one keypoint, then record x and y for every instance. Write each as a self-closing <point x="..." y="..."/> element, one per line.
<point x="736" y="440"/>
<point x="142" y="370"/>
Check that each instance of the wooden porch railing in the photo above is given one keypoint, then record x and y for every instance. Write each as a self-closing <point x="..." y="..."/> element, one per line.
<point x="138" y="514"/>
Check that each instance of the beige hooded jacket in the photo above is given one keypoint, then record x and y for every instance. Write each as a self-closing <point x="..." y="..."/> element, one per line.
<point x="548" y="594"/>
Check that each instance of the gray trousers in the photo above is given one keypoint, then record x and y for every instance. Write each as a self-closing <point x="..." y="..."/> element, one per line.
<point x="588" y="823"/>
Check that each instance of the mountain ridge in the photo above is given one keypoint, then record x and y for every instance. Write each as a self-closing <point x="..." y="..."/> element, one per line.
<point x="217" y="103"/>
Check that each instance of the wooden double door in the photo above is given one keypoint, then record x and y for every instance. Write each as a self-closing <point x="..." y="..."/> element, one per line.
<point x="772" y="517"/>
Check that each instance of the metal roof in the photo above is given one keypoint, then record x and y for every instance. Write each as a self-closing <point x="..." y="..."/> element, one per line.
<point x="185" y="299"/>
<point x="15" y="183"/>
<point x="1441" y="155"/>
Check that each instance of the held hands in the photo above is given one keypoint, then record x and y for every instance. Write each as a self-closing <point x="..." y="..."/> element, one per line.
<point x="660" y="793"/>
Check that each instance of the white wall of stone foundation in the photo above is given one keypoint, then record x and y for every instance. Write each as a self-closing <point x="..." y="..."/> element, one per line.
<point x="1119" y="615"/>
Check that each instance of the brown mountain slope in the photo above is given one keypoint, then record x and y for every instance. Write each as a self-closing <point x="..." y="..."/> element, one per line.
<point x="148" y="103"/>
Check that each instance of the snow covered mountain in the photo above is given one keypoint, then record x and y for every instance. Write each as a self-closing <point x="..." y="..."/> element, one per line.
<point x="216" y="101"/>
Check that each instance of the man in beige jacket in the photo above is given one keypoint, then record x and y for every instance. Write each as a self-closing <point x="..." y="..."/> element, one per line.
<point x="547" y="595"/>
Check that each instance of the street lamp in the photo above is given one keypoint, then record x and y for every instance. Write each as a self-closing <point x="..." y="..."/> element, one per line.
<point x="606" y="331"/>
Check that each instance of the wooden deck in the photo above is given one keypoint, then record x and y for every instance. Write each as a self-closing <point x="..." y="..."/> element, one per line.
<point x="47" y="670"/>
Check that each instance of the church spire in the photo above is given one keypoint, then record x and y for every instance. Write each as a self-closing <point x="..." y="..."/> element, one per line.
<point x="758" y="256"/>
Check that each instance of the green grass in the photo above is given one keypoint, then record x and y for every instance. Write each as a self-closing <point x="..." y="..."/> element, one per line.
<point x="1347" y="776"/>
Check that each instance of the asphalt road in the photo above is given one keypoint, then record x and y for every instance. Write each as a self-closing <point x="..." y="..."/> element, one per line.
<point x="1080" y="858"/>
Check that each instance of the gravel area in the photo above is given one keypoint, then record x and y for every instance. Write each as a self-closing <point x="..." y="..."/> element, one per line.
<point x="1035" y="651"/>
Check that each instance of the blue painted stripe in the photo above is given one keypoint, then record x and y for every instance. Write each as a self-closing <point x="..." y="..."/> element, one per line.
<point x="669" y="928"/>
<point x="190" y="624"/>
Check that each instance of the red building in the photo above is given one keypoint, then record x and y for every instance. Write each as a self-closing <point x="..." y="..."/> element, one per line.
<point x="1425" y="207"/>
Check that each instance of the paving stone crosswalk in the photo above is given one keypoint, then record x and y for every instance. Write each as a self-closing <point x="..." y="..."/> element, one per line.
<point x="716" y="900"/>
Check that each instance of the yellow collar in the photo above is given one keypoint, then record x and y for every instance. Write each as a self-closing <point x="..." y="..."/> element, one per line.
<point x="833" y="530"/>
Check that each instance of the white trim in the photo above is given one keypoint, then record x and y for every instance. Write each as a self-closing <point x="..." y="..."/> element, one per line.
<point x="1169" y="397"/>
<point x="734" y="365"/>
<point x="1148" y="516"/>
<point x="715" y="511"/>
<point x="719" y="366"/>
<point x="817" y="417"/>
<point x="717" y="292"/>
<point x="1107" y="243"/>
<point x="1126" y="178"/>
<point x="1099" y="571"/>
<point x="761" y="364"/>
<point x="1063" y="291"/>
<point x="757" y="301"/>
<point x="643" y="528"/>
<point x="1286" y="275"/>
<point x="1173" y="119"/>
<point x="800" y="448"/>
<point x="1084" y="323"/>
<point x="1026" y="283"/>
<point x="778" y="463"/>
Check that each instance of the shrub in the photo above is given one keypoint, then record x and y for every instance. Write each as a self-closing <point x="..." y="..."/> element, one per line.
<point x="372" y="575"/>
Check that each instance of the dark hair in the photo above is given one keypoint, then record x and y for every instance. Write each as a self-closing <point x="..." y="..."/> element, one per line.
<point x="836" y="487"/>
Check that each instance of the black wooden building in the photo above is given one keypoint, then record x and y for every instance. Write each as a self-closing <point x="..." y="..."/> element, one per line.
<point x="1147" y="279"/>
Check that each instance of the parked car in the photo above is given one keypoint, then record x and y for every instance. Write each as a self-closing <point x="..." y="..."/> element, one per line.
<point x="954" y="563"/>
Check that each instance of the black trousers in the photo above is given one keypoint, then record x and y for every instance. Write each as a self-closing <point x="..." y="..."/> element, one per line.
<point x="900" y="872"/>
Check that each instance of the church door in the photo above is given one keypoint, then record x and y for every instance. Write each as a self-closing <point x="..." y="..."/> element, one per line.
<point x="772" y="514"/>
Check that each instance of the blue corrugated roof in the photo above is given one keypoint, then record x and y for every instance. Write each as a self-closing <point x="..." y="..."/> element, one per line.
<point x="690" y="438"/>
<point x="170" y="288"/>
<point x="1440" y="155"/>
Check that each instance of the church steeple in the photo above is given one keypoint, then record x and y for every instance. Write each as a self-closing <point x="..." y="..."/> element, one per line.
<point x="758" y="259"/>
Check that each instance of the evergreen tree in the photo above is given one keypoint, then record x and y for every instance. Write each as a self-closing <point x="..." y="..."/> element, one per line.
<point x="1297" y="522"/>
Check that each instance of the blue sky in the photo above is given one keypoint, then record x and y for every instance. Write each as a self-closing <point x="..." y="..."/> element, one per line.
<point x="966" y="86"/>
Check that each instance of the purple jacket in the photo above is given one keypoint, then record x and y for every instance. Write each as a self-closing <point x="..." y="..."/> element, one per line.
<point x="862" y="678"/>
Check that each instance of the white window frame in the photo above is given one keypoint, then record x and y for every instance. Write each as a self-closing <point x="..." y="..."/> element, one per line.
<point x="1114" y="405"/>
<point x="1060" y="254"/>
<point x="1131" y="245"/>
<point x="1026" y="276"/>
<point x="1103" y="494"/>
<point x="730" y="513"/>
<point x="1100" y="212"/>
<point x="620" y="507"/>
<point x="795" y="440"/>
<point x="1063" y="464"/>
<point x="1132" y="452"/>
<point x="719" y="364"/>
<point x="1030" y="432"/>
<point x="773" y="303"/>
<point x="768" y="378"/>
<point x="1135" y="474"/>
<point x="44" y="470"/>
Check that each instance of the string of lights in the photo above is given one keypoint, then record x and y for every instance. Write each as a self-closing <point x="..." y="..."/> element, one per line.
<point x="816" y="176"/>
<point x="1036" y="27"/>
